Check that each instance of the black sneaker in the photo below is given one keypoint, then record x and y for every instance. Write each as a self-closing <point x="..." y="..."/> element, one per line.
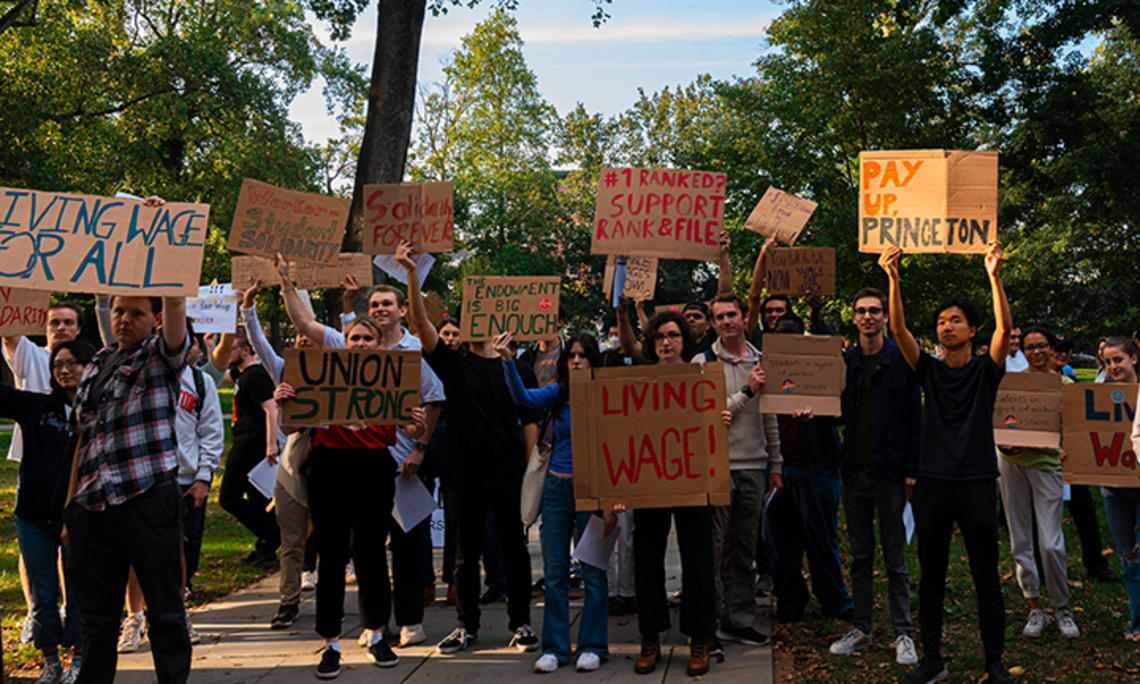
<point x="747" y="635"/>
<point x="524" y="639"/>
<point x="927" y="672"/>
<point x="492" y="595"/>
<point x="329" y="667"/>
<point x="285" y="616"/>
<point x="716" y="649"/>
<point x="617" y="606"/>
<point x="1102" y="573"/>
<point x="457" y="640"/>
<point x="381" y="654"/>
<point x="997" y="674"/>
<point x="538" y="589"/>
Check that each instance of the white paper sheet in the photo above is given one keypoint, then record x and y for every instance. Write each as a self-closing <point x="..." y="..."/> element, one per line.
<point x="594" y="547"/>
<point x="412" y="503"/>
<point x="263" y="477"/>
<point x="908" y="521"/>
<point x="387" y="263"/>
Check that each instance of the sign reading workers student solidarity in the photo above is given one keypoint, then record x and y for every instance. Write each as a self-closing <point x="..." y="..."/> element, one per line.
<point x="927" y="200"/>
<point x="351" y="386"/>
<point x="23" y="312"/>
<point x="302" y="226"/>
<point x="798" y="270"/>
<point x="781" y="215"/>
<point x="669" y="213"/>
<point x="524" y="306"/>
<point x="244" y="270"/>
<point x="649" y="436"/>
<point x="420" y="213"/>
<point x="100" y="245"/>
<point x="802" y="370"/>
<point x="1097" y="439"/>
<point x="1027" y="410"/>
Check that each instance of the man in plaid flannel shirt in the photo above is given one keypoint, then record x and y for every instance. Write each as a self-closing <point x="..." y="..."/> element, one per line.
<point x="125" y="507"/>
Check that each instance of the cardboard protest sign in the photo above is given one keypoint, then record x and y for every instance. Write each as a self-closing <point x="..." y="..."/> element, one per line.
<point x="435" y="311"/>
<point x="640" y="277"/>
<point x="1097" y="438"/>
<point x="797" y="270"/>
<point x="781" y="215"/>
<point x="927" y="200"/>
<point x="100" y="245"/>
<point x="525" y="306"/>
<point x="671" y="213"/>
<point x="658" y="308"/>
<point x="214" y="310"/>
<point x="649" y="436"/>
<point x="303" y="226"/>
<point x="23" y="312"/>
<point x="802" y="370"/>
<point x="1027" y="410"/>
<point x="351" y="386"/>
<point x="420" y="213"/>
<point x="244" y="270"/>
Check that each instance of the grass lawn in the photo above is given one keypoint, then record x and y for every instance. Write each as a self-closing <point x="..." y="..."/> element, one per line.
<point x="219" y="572"/>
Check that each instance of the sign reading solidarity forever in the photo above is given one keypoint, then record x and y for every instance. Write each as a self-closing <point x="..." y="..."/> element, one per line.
<point x="669" y="213"/>
<point x="1027" y="410"/>
<point x="781" y="215"/>
<point x="524" y="306"/>
<point x="420" y="213"/>
<point x="649" y="436"/>
<point x="23" y="312"/>
<point x="798" y="270"/>
<point x="303" y="226"/>
<point x="1097" y="437"/>
<point x="802" y="370"/>
<point x="351" y="386"/>
<point x="244" y="270"/>
<point x="927" y="200"/>
<point x="101" y="245"/>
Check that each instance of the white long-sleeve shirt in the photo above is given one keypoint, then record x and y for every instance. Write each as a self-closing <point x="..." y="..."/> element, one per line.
<point x="31" y="367"/>
<point x="200" y="438"/>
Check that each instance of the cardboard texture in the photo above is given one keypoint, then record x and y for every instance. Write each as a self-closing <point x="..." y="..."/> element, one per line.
<point x="303" y="226"/>
<point x="101" y="245"/>
<point x="23" y="312"/>
<point x="435" y="310"/>
<point x="526" y="306"/>
<point x="781" y="215"/>
<point x="1097" y="438"/>
<point x="649" y="436"/>
<point x="244" y="270"/>
<point x="658" y="308"/>
<point x="671" y="213"/>
<point x="351" y="386"/>
<point x="927" y="200"/>
<point x="798" y="270"/>
<point x="802" y="370"/>
<point x="420" y="213"/>
<point x="640" y="277"/>
<point x="1027" y="410"/>
<point x="215" y="309"/>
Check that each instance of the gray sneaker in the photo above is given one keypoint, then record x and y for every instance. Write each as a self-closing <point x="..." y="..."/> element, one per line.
<point x="1038" y="620"/>
<point x="852" y="642"/>
<point x="51" y="674"/>
<point x="1066" y="624"/>
<point x="132" y="634"/>
<point x="905" y="653"/>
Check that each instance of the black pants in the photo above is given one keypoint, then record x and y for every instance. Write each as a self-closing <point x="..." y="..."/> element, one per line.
<point x="407" y="572"/>
<point x="144" y="533"/>
<point x="350" y="499"/>
<point x="694" y="537"/>
<point x="471" y="496"/>
<point x="240" y="498"/>
<point x="193" y="527"/>
<point x="972" y="505"/>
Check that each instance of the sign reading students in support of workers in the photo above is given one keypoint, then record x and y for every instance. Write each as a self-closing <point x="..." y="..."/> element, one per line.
<point x="649" y="436"/>
<point x="669" y="213"/>
<point x="100" y="245"/>
<point x="302" y="226"/>
<point x="781" y="215"/>
<point x="802" y="370"/>
<point x="1097" y="439"/>
<point x="927" y="200"/>
<point x="351" y="386"/>
<point x="1027" y="410"/>
<point x="23" y="312"/>
<point x="420" y="213"/>
<point x="214" y="310"/>
<point x="524" y="306"/>
<point x="798" y="270"/>
<point x="244" y="270"/>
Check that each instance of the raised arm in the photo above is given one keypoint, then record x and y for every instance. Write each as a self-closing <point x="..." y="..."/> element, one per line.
<point x="174" y="322"/>
<point x="103" y="316"/>
<point x="303" y="321"/>
<point x="724" y="278"/>
<point x="265" y="351"/>
<point x="220" y="356"/>
<point x="1003" y="320"/>
<point x="625" y="332"/>
<point x="272" y="421"/>
<point x="756" y="288"/>
<point x="540" y="397"/>
<point x="428" y="335"/>
<point x="889" y="261"/>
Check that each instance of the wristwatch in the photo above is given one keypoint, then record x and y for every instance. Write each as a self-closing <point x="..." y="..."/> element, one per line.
<point x="421" y="445"/>
<point x="747" y="390"/>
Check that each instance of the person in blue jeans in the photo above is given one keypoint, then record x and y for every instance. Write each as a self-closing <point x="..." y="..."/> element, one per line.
<point x="559" y="518"/>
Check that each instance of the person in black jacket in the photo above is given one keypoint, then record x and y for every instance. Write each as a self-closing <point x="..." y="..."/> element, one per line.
<point x="40" y="496"/>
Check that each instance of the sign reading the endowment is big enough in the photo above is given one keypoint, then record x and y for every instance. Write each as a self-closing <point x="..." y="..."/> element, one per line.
<point x="351" y="386"/>
<point x="100" y="245"/>
<point x="302" y="226"/>
<point x="524" y="306"/>
<point x="670" y="213"/>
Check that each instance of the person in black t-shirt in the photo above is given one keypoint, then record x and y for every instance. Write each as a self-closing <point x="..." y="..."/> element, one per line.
<point x="957" y="462"/>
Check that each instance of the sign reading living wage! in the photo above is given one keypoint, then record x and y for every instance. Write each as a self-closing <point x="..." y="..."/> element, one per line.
<point x="23" y="312"/>
<point x="927" y="200"/>
<point x="799" y="270"/>
<point x="420" y="213"/>
<point x="100" y="245"/>
<point x="1027" y="410"/>
<point x="640" y="277"/>
<point x="802" y="370"/>
<point x="1097" y="437"/>
<point x="302" y="226"/>
<point x="351" y="386"/>
<point x="781" y="215"/>
<point x="649" y="436"/>
<point x="214" y="310"/>
<point x="245" y="270"/>
<point x="671" y="213"/>
<point x="524" y="306"/>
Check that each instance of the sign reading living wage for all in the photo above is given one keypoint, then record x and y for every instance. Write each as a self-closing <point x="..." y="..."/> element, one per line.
<point x="524" y="306"/>
<point x="1027" y="410"/>
<point x="781" y="215"/>
<point x="23" y="312"/>
<point x="100" y="245"/>
<point x="1097" y="434"/>
<point x="245" y="270"/>
<point x="351" y="386"/>
<point x="640" y="277"/>
<point x="649" y="436"/>
<point x="927" y="200"/>
<point x="671" y="213"/>
<point x="421" y="213"/>
<point x="798" y="270"/>
<point x="302" y="226"/>
<point x="802" y="370"/>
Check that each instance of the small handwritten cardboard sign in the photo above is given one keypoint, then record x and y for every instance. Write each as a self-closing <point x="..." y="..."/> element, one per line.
<point x="525" y="306"/>
<point x="1097" y="438"/>
<point x="640" y="277"/>
<point x="244" y="270"/>
<point x="802" y="370"/>
<point x="1027" y="410"/>
<point x="214" y="310"/>
<point x="23" y="312"/>
<point x="351" y="386"/>
<point x="436" y="310"/>
<point x="799" y="270"/>
<point x="781" y="215"/>
<point x="302" y="226"/>
<point x="421" y="213"/>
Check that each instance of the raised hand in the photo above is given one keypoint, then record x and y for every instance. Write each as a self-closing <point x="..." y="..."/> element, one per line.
<point x="889" y="261"/>
<point x="501" y="343"/>
<point x="249" y="294"/>
<point x="404" y="253"/>
<point x="283" y="270"/>
<point x="994" y="256"/>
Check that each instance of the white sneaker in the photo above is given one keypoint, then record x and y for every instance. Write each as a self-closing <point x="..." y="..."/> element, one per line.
<point x="1038" y="620"/>
<point x="588" y="661"/>
<point x="69" y="675"/>
<point x="853" y="641"/>
<point x="51" y="674"/>
<point x="410" y="635"/>
<point x="365" y="639"/>
<point x="904" y="650"/>
<point x="308" y="581"/>
<point x="132" y="633"/>
<point x="349" y="573"/>
<point x="546" y="663"/>
<point x="193" y="633"/>
<point x="26" y="633"/>
<point x="1066" y="624"/>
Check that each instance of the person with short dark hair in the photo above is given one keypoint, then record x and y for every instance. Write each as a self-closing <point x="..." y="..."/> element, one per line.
<point x="697" y="315"/>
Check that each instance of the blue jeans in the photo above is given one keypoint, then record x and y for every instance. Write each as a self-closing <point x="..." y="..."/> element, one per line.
<point x="40" y="546"/>
<point x="1122" y="508"/>
<point x="559" y="519"/>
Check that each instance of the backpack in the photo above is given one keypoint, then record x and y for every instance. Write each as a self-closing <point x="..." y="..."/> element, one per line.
<point x="200" y="389"/>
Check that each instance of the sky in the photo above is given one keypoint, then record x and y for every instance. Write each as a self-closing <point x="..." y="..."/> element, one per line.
<point x="646" y="43"/>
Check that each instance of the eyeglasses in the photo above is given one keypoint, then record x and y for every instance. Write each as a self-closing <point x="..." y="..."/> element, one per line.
<point x="671" y="336"/>
<point x="1041" y="346"/>
<point x="868" y="311"/>
<point x="61" y="365"/>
